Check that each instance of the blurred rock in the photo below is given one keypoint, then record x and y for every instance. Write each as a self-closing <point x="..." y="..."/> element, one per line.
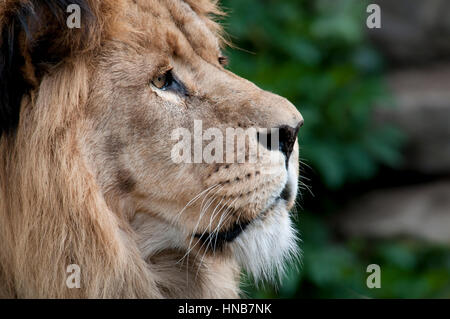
<point x="416" y="211"/>
<point x="423" y="112"/>
<point x="413" y="31"/>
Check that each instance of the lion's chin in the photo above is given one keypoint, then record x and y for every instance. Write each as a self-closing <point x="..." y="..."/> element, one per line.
<point x="267" y="245"/>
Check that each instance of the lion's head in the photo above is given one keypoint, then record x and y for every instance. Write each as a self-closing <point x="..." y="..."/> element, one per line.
<point x="90" y="122"/>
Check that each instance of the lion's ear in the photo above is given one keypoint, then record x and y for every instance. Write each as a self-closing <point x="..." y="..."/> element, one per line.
<point x="34" y="36"/>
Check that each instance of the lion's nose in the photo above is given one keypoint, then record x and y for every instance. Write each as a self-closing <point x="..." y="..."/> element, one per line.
<point x="287" y="138"/>
<point x="283" y="141"/>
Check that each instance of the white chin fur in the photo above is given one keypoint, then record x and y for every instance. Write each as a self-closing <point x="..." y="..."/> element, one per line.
<point x="267" y="245"/>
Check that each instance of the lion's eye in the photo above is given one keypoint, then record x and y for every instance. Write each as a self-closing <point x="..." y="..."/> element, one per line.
<point x="169" y="82"/>
<point x="163" y="81"/>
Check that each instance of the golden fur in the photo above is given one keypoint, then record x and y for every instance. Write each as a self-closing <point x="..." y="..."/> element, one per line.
<point x="86" y="177"/>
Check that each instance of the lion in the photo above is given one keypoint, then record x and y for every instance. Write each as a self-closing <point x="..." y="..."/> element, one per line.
<point x="86" y="176"/>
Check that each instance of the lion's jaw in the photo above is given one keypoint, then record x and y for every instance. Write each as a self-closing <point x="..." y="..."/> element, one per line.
<point x="269" y="242"/>
<point x="262" y="246"/>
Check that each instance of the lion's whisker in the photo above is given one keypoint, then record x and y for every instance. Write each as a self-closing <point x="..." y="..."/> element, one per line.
<point x="193" y="200"/>
<point x="210" y="238"/>
<point x="227" y="212"/>
<point x="193" y="234"/>
<point x="202" y="212"/>
<point x="210" y="224"/>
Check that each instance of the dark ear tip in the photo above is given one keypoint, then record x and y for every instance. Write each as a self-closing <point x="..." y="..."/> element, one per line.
<point x="18" y="18"/>
<point x="12" y="83"/>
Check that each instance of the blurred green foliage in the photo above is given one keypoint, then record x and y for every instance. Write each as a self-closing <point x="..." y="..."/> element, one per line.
<point x="314" y="53"/>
